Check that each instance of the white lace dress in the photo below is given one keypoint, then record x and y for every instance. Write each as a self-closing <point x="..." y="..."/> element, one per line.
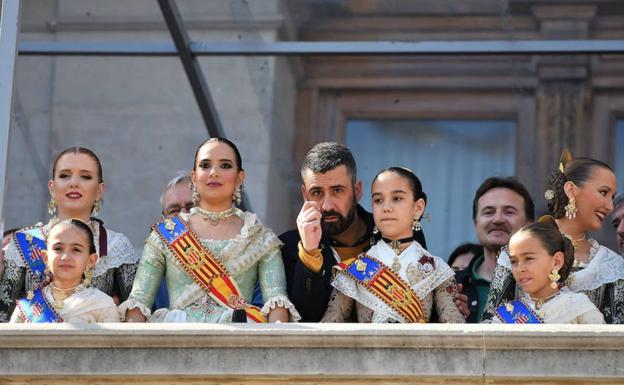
<point x="565" y="308"/>
<point x="601" y="280"/>
<point x="85" y="305"/>
<point x="428" y="276"/>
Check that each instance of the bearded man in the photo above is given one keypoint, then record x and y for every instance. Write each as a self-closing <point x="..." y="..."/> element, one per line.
<point x="331" y="227"/>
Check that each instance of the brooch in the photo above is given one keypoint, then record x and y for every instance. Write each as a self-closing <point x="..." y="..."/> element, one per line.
<point x="427" y="263"/>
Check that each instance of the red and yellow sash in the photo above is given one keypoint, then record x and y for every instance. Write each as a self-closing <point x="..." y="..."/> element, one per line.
<point x="386" y="285"/>
<point x="200" y="265"/>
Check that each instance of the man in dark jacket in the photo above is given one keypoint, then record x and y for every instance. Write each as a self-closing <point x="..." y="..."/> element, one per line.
<point x="501" y="207"/>
<point x="331" y="227"/>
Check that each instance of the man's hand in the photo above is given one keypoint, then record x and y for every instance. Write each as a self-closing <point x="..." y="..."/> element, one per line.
<point x="461" y="301"/>
<point x="309" y="225"/>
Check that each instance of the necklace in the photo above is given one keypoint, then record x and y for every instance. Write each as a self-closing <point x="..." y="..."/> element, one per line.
<point x="575" y="244"/>
<point x="213" y="216"/>
<point x="395" y="245"/>
<point x="62" y="295"/>
<point x="539" y="302"/>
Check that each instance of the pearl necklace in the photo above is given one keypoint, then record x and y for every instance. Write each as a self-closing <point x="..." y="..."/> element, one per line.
<point x="213" y="216"/>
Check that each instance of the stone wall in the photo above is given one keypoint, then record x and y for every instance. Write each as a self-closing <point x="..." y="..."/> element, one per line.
<point x="311" y="354"/>
<point x="139" y="114"/>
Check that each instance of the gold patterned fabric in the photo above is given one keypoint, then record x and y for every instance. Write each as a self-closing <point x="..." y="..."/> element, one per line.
<point x="428" y="276"/>
<point x="252" y="256"/>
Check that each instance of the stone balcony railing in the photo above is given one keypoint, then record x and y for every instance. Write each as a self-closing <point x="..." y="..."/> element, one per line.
<point x="311" y="354"/>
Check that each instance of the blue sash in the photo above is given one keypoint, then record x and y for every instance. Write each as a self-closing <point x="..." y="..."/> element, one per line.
<point x="517" y="312"/>
<point x="386" y="285"/>
<point x="31" y="244"/>
<point x="37" y="309"/>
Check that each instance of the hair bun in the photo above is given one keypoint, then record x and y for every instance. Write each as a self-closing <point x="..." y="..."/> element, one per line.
<point x="549" y="220"/>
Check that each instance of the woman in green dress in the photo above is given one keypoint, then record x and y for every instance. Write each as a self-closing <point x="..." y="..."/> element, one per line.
<point x="213" y="256"/>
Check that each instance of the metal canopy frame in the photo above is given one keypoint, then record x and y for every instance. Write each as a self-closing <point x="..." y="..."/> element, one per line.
<point x="308" y="48"/>
<point x="9" y="33"/>
<point x="188" y="52"/>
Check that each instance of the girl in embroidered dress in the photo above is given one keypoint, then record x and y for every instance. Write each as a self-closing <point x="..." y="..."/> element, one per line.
<point x="541" y="260"/>
<point x="580" y="196"/>
<point x="76" y="190"/>
<point x="412" y="280"/>
<point x="67" y="295"/>
<point x="213" y="256"/>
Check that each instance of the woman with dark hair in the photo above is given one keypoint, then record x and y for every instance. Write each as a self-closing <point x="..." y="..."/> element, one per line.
<point x="213" y="256"/>
<point x="396" y="280"/>
<point x="76" y="191"/>
<point x="580" y="197"/>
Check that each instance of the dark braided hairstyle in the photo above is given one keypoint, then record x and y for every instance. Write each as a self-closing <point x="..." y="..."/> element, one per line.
<point x="417" y="191"/>
<point x="547" y="231"/>
<point x="578" y="171"/>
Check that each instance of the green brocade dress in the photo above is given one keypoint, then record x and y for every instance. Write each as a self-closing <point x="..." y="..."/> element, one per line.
<point x="252" y="256"/>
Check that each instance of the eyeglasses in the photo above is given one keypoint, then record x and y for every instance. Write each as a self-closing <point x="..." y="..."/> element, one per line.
<point x="176" y="209"/>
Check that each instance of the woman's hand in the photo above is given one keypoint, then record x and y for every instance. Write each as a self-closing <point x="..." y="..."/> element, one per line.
<point x="135" y="315"/>
<point x="279" y="314"/>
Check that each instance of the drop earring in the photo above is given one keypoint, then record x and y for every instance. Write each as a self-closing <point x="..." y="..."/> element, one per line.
<point x="52" y="206"/>
<point x="554" y="278"/>
<point x="570" y="209"/>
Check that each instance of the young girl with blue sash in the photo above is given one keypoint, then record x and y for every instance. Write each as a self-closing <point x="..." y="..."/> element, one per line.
<point x="541" y="261"/>
<point x="66" y="294"/>
<point x="397" y="279"/>
<point x="580" y="197"/>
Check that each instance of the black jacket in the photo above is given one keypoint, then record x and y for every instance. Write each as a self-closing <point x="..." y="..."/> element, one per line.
<point x="465" y="278"/>
<point x="307" y="290"/>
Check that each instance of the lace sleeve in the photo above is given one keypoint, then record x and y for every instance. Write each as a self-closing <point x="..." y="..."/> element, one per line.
<point x="11" y="287"/>
<point x="339" y="307"/>
<point x="120" y="252"/>
<point x="147" y="280"/>
<point x="124" y="278"/>
<point x="591" y="317"/>
<point x="502" y="289"/>
<point x="273" y="284"/>
<point x="445" y="302"/>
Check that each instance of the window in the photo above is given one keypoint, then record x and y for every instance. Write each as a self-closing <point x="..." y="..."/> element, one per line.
<point x="450" y="157"/>
<point x="619" y="155"/>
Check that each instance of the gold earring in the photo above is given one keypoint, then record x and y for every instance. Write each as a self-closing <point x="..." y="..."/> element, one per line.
<point x="97" y="206"/>
<point x="194" y="194"/>
<point x="237" y="196"/>
<point x="554" y="278"/>
<point x="88" y="275"/>
<point x="416" y="224"/>
<point x="570" y="209"/>
<point x="52" y="206"/>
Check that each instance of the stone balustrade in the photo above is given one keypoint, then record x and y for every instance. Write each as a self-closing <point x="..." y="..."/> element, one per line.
<point x="311" y="354"/>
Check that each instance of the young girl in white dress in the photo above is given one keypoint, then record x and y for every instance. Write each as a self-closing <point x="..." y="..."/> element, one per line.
<point x="541" y="261"/>
<point x="66" y="296"/>
<point x="397" y="279"/>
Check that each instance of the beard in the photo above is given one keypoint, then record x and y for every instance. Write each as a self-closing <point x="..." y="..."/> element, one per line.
<point x="344" y="221"/>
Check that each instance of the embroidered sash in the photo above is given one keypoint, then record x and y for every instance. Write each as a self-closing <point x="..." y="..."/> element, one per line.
<point x="37" y="309"/>
<point x="517" y="312"/>
<point x="386" y="285"/>
<point x="201" y="265"/>
<point x="31" y="243"/>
